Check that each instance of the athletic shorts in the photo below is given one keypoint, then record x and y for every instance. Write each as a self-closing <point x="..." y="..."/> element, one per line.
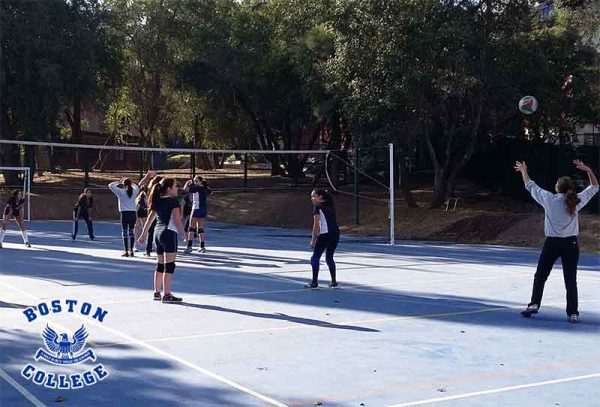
<point x="142" y="213"/>
<point x="199" y="213"/>
<point x="165" y="241"/>
<point x="7" y="212"/>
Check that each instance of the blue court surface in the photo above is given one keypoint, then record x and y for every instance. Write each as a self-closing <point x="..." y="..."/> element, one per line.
<point x="418" y="324"/>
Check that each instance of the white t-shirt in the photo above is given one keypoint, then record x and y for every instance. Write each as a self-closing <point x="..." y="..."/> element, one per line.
<point x="126" y="203"/>
<point x="557" y="221"/>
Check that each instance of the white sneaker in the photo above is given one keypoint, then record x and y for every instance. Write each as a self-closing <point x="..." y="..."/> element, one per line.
<point x="574" y="319"/>
<point x="202" y="250"/>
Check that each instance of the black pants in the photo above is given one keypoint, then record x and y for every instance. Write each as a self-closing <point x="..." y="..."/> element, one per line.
<point x="567" y="248"/>
<point x="128" y="219"/>
<point x="90" y="226"/>
<point x="325" y="243"/>
<point x="150" y="237"/>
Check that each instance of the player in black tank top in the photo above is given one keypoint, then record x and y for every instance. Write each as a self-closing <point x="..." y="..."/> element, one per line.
<point x="164" y="208"/>
<point x="14" y="209"/>
<point x="84" y="209"/>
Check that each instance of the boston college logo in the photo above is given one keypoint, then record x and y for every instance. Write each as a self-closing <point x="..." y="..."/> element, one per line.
<point x="64" y="348"/>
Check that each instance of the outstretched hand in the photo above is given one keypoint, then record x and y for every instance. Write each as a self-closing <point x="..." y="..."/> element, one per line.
<point x="521" y="167"/>
<point x="581" y="166"/>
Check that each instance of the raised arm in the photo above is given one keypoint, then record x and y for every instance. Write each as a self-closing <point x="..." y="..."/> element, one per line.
<point x="115" y="187"/>
<point x="540" y="195"/>
<point x="591" y="176"/>
<point x="147" y="178"/>
<point x="188" y="185"/>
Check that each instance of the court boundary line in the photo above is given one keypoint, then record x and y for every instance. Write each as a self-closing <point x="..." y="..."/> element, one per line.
<point x="168" y="355"/>
<point x="24" y="392"/>
<point x="495" y="391"/>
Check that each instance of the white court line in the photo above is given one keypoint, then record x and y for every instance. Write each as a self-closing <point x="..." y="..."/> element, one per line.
<point x="168" y="355"/>
<point x="21" y="389"/>
<point x="493" y="391"/>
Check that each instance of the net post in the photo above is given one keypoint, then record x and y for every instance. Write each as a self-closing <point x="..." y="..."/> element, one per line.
<point x="392" y="231"/>
<point x="193" y="165"/>
<point x="356" y="185"/>
<point x="28" y="173"/>
<point x="245" y="172"/>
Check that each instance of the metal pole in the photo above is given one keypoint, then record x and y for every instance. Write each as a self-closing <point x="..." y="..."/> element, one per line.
<point x="356" y="185"/>
<point x="245" y="172"/>
<point x="392" y="231"/>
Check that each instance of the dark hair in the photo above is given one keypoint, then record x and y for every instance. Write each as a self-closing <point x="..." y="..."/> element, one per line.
<point x="127" y="184"/>
<point x="154" y="181"/>
<point x="326" y="195"/>
<point x="143" y="192"/>
<point x="83" y="194"/>
<point x="15" y="193"/>
<point x="158" y="189"/>
<point x="565" y="185"/>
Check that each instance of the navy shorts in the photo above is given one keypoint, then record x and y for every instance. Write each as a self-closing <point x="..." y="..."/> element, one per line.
<point x="199" y="213"/>
<point x="142" y="213"/>
<point x="165" y="241"/>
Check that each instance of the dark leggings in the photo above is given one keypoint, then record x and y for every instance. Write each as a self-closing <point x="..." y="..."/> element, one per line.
<point x="567" y="249"/>
<point x="150" y="237"/>
<point x="128" y="219"/>
<point x="90" y="226"/>
<point x="325" y="243"/>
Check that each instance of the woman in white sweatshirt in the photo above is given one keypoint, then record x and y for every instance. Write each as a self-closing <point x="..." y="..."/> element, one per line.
<point x="561" y="227"/>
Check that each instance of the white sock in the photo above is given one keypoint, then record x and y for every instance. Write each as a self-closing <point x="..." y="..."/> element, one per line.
<point x="2" y="232"/>
<point x="24" y="234"/>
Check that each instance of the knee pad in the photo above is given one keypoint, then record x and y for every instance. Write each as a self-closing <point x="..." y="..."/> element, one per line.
<point x="170" y="268"/>
<point x="160" y="268"/>
<point x="200" y="230"/>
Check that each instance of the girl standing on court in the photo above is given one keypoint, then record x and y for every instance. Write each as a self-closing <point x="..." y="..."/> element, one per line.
<point x="142" y="211"/>
<point x="165" y="209"/>
<point x="561" y="227"/>
<point x="14" y="209"/>
<point x="199" y="190"/>
<point x="84" y="209"/>
<point x="155" y="180"/>
<point x="325" y="235"/>
<point x="126" y="192"/>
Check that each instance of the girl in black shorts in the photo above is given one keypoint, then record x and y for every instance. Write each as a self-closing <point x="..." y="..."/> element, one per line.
<point x="164" y="207"/>
<point x="14" y="210"/>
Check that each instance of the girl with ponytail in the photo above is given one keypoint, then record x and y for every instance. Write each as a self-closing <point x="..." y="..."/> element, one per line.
<point x="325" y="235"/>
<point x="126" y="192"/>
<point x="561" y="227"/>
<point x="164" y="208"/>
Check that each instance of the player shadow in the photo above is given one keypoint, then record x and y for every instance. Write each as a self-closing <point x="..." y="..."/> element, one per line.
<point x="13" y="305"/>
<point x="66" y="268"/>
<point x="135" y="378"/>
<point x="278" y="316"/>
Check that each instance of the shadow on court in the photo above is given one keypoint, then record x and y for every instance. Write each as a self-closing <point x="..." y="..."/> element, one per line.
<point x="65" y="268"/>
<point x="135" y="379"/>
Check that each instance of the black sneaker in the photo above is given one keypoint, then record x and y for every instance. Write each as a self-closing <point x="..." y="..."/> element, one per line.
<point x="91" y="238"/>
<point x="131" y="254"/>
<point x="27" y="244"/>
<point x="334" y="285"/>
<point x="147" y="254"/>
<point x="171" y="298"/>
<point x="157" y="296"/>
<point x="311" y="285"/>
<point x="72" y="237"/>
<point x="125" y="254"/>
<point x="530" y="310"/>
<point x="574" y="319"/>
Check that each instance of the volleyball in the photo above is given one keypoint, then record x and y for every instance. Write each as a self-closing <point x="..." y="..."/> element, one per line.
<point x="528" y="104"/>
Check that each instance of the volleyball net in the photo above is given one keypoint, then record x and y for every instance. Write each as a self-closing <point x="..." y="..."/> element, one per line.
<point x="364" y="174"/>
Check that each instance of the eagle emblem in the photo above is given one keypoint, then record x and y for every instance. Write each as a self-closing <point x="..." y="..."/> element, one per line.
<point x="62" y="349"/>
